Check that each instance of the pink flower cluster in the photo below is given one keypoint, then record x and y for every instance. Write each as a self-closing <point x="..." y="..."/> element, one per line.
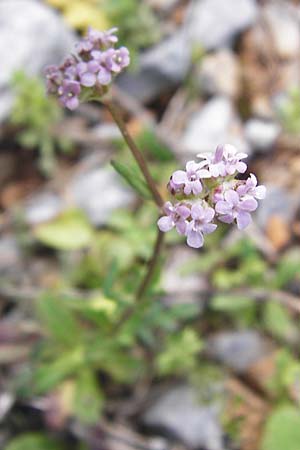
<point x="87" y="73"/>
<point x="207" y="191"/>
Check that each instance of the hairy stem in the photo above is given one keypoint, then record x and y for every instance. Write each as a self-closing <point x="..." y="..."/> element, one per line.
<point x="135" y="152"/>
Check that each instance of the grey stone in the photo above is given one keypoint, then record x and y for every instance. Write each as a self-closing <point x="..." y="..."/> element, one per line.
<point x="32" y="36"/>
<point x="219" y="74"/>
<point x="10" y="254"/>
<point x="210" y="24"/>
<point x="178" y="413"/>
<point x="98" y="192"/>
<point x="43" y="207"/>
<point x="214" y="23"/>
<point x="278" y="202"/>
<point x="261" y="134"/>
<point x="237" y="349"/>
<point x="216" y="123"/>
<point x="182" y="288"/>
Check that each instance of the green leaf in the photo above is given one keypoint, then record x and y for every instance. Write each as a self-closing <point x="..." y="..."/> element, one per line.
<point x="48" y="376"/>
<point x="132" y="176"/>
<point x="230" y="303"/>
<point x="33" y="441"/>
<point x="180" y="353"/>
<point x="282" y="431"/>
<point x="147" y="140"/>
<point x="70" y="231"/>
<point x="277" y="320"/>
<point x="58" y="319"/>
<point x="88" y="399"/>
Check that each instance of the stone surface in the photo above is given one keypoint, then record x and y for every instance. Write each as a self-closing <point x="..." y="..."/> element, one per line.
<point x="237" y="349"/>
<point x="179" y="414"/>
<point x="43" y="207"/>
<point x="215" y="123"/>
<point x="261" y="134"/>
<point x="182" y="288"/>
<point x="281" y="19"/>
<point x="32" y="36"/>
<point x="98" y="192"/>
<point x="219" y="74"/>
<point x="10" y="254"/>
<point x="278" y="203"/>
<point x="214" y="23"/>
<point x="209" y="24"/>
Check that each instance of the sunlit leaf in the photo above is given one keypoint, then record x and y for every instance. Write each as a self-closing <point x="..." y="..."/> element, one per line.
<point x="70" y="231"/>
<point x="282" y="429"/>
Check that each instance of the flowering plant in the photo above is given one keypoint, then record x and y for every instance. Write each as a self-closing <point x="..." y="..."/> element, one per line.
<point x="207" y="191"/>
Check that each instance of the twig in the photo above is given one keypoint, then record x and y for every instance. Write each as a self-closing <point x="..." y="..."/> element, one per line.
<point x="135" y="152"/>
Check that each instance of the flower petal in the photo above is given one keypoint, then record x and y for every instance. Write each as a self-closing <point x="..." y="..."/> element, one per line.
<point x="179" y="177"/>
<point x="243" y="219"/>
<point x="223" y="207"/>
<point x="232" y="197"/>
<point x="248" y="204"/>
<point x="195" y="239"/>
<point x="165" y="223"/>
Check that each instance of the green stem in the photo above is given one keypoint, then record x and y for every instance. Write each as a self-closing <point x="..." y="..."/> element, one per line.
<point x="135" y="152"/>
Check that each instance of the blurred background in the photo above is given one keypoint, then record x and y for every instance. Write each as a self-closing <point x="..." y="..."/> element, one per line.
<point x="211" y="359"/>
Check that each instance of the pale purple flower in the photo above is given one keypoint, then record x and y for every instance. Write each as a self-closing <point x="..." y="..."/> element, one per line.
<point x="96" y="63"/>
<point x="249" y="187"/>
<point x="190" y="178"/>
<point x="87" y="73"/>
<point x="176" y="216"/>
<point x="68" y="94"/>
<point x="235" y="208"/>
<point x="200" y="224"/>
<point x="104" y="39"/>
<point x="214" y="162"/>
<point x="224" y="161"/>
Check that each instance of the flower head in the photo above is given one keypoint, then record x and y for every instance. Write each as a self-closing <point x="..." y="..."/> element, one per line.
<point x="208" y="191"/>
<point x="92" y="68"/>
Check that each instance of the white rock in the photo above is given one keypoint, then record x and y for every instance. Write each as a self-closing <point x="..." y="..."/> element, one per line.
<point x="219" y="74"/>
<point x="281" y="18"/>
<point x="213" y="23"/>
<point x="209" y="24"/>
<point x="98" y="192"/>
<point x="216" y="123"/>
<point x="32" y="36"/>
<point x="261" y="134"/>
<point x="43" y="207"/>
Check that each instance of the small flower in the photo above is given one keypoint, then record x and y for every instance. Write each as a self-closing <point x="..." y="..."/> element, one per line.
<point x="200" y="224"/>
<point x="190" y="179"/>
<point x="249" y="187"/>
<point x="224" y="161"/>
<point x="69" y="93"/>
<point x="176" y="216"/>
<point x="87" y="73"/>
<point x="233" y="161"/>
<point x="234" y="208"/>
